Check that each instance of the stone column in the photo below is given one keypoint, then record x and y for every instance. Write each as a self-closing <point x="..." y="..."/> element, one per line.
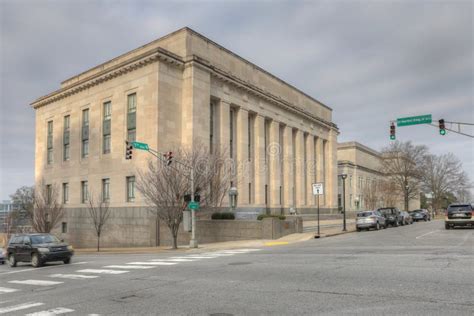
<point x="288" y="176"/>
<point x="260" y="165"/>
<point x="222" y="125"/>
<point x="310" y="170"/>
<point x="319" y="165"/>
<point x="273" y="152"/>
<point x="299" y="176"/>
<point x="331" y="170"/>
<point x="242" y="161"/>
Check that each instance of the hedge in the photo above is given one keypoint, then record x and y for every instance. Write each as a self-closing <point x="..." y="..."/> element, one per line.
<point x="223" y="215"/>
<point x="262" y="216"/>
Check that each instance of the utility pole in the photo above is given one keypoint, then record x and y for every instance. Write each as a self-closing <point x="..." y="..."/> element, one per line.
<point x="193" y="242"/>
<point x="344" y="176"/>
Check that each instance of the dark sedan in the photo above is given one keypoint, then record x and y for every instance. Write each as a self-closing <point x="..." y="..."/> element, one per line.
<point x="420" y="215"/>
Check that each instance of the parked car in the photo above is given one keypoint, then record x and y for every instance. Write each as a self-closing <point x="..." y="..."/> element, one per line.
<point x="392" y="215"/>
<point x="2" y="256"/>
<point x="459" y="215"/>
<point x="417" y="216"/>
<point x="37" y="249"/>
<point x="370" y="219"/>
<point x="406" y="218"/>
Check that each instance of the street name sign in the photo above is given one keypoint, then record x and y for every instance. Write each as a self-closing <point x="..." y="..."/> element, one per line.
<point x="139" y="145"/>
<point x="414" y="120"/>
<point x="193" y="205"/>
<point x="318" y="188"/>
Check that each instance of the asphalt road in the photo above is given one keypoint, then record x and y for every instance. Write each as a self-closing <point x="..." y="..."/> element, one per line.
<point x="419" y="269"/>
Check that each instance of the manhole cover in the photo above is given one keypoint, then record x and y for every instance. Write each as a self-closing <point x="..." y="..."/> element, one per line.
<point x="238" y="264"/>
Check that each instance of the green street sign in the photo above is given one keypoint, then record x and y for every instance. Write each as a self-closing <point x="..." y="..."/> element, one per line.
<point x="139" y="145"/>
<point x="414" y="120"/>
<point x="193" y="205"/>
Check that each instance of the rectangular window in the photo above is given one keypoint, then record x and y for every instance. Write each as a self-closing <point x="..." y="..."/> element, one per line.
<point x="84" y="191"/>
<point x="49" y="194"/>
<point x="211" y="128"/>
<point x="66" y="135"/>
<point x="50" y="143"/>
<point x="105" y="190"/>
<point x="250" y="193"/>
<point x="85" y="133"/>
<point x="130" y="189"/>
<point x="65" y="193"/>
<point x="64" y="227"/>
<point x="249" y="136"/>
<point x="266" y="127"/>
<point x="106" y="127"/>
<point x="131" y="117"/>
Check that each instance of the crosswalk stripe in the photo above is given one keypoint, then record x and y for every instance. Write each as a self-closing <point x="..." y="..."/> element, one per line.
<point x="194" y="257"/>
<point x="35" y="282"/>
<point x="10" y="309"/>
<point x="155" y="263"/>
<point x="218" y="254"/>
<point x="73" y="276"/>
<point x="51" y="312"/>
<point x="128" y="267"/>
<point x="104" y="271"/>
<point x="178" y="260"/>
<point x="7" y="290"/>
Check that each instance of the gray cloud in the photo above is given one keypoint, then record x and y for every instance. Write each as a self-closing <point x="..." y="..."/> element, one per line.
<point x="371" y="61"/>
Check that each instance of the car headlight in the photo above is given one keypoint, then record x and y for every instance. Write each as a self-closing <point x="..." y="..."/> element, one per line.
<point x="70" y="248"/>
<point x="43" y="250"/>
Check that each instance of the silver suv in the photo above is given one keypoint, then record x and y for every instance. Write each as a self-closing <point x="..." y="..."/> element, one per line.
<point x="370" y="219"/>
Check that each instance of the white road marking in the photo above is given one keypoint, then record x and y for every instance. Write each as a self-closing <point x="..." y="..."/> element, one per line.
<point x="7" y="290"/>
<point x="195" y="257"/>
<point x="73" y="276"/>
<point x="218" y="254"/>
<point x="100" y="271"/>
<point x="128" y="267"/>
<point x="36" y="282"/>
<point x="174" y="260"/>
<point x="51" y="312"/>
<point x="30" y="269"/>
<point x="155" y="263"/>
<point x="10" y="309"/>
<point x="434" y="231"/>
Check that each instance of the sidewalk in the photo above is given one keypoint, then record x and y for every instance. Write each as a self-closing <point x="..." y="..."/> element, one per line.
<point x="260" y="243"/>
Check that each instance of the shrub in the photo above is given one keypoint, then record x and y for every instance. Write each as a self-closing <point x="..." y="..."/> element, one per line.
<point x="223" y="215"/>
<point x="262" y="216"/>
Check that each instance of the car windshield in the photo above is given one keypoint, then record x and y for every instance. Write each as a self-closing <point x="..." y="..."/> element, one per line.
<point x="459" y="208"/>
<point x="44" y="239"/>
<point x="364" y="214"/>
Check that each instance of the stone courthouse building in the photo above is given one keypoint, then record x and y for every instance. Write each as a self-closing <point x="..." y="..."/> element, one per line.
<point x="180" y="90"/>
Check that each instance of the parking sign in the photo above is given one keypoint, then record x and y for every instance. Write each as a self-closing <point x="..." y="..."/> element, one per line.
<point x="318" y="188"/>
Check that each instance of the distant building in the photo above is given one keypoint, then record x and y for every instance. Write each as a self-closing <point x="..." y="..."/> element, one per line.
<point x="180" y="90"/>
<point x="366" y="185"/>
<point x="6" y="206"/>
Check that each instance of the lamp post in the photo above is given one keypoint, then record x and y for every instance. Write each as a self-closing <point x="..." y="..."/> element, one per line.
<point x="407" y="187"/>
<point x="344" y="176"/>
<point x="233" y="193"/>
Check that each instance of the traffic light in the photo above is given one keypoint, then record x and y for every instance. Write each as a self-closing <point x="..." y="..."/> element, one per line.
<point x="168" y="157"/>
<point x="392" y="131"/>
<point x="128" y="150"/>
<point x="442" y="128"/>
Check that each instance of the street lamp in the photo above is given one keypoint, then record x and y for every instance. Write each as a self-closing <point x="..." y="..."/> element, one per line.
<point x="407" y="187"/>
<point x="344" y="176"/>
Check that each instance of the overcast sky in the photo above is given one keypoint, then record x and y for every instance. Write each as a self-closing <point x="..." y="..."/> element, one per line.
<point x="370" y="61"/>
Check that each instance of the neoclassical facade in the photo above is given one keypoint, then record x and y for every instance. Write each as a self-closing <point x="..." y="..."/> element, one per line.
<point x="180" y="90"/>
<point x="363" y="189"/>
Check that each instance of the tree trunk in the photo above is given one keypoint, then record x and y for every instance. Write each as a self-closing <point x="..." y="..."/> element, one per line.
<point x="174" y="234"/>
<point x="98" y="243"/>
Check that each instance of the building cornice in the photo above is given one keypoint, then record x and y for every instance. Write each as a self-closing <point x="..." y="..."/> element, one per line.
<point x="347" y="163"/>
<point x="166" y="56"/>
<point x="116" y="71"/>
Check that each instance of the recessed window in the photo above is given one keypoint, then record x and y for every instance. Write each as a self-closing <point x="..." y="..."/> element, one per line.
<point x="131" y="117"/>
<point x="84" y="191"/>
<point x="66" y="136"/>
<point x="106" y="190"/>
<point x="64" y="227"/>
<point x="85" y="133"/>
<point x="49" y="157"/>
<point x="65" y="193"/>
<point x="106" y="127"/>
<point x="130" y="189"/>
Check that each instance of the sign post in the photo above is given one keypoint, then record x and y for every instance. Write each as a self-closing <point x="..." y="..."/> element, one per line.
<point x="318" y="189"/>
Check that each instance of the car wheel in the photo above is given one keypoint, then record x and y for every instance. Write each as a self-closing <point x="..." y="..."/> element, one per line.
<point x="67" y="261"/>
<point x="35" y="260"/>
<point x="12" y="261"/>
<point x="446" y="226"/>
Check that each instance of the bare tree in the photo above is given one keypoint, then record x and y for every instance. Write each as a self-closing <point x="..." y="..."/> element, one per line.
<point x="47" y="210"/>
<point x="24" y="200"/>
<point x="443" y="175"/>
<point x="388" y="193"/>
<point x="372" y="195"/>
<point x="164" y="187"/>
<point x="99" y="213"/>
<point x="402" y="162"/>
